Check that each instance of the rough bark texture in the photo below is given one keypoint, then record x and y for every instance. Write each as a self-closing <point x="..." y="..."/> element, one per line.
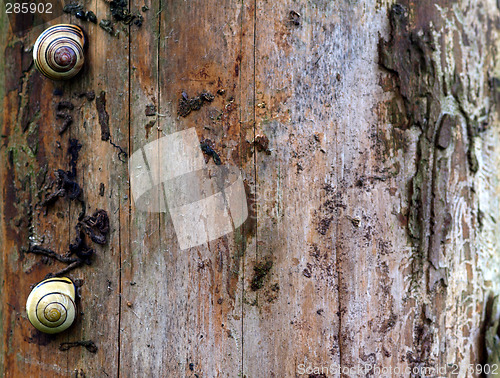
<point x="368" y="136"/>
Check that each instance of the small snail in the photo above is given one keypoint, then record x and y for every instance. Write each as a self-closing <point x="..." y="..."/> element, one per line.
<point x="58" y="51"/>
<point x="51" y="305"/>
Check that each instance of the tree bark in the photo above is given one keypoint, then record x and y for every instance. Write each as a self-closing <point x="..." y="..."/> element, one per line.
<point x="368" y="137"/>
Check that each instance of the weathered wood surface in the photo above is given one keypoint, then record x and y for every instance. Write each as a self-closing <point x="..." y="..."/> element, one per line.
<point x="373" y="228"/>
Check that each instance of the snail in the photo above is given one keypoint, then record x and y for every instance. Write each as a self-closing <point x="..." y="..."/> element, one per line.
<point x="58" y="51"/>
<point x="51" y="305"/>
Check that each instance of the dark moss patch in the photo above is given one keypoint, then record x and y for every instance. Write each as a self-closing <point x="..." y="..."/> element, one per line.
<point x="38" y="250"/>
<point x="73" y="153"/>
<point x="150" y="110"/>
<point x="88" y="344"/>
<point x="261" y="143"/>
<point x="103" y="115"/>
<point x="294" y="18"/>
<point x="78" y="10"/>
<point x="149" y="126"/>
<point x="272" y="293"/>
<point x="65" y="184"/>
<point x="91" y="17"/>
<point x="79" y="254"/>
<point x="307" y="271"/>
<point x="63" y="105"/>
<point x="96" y="227"/>
<point x="208" y="149"/>
<point x="122" y="154"/>
<point x="107" y="26"/>
<point x="81" y="15"/>
<point x="138" y="20"/>
<point x="187" y="105"/>
<point x="62" y="112"/>
<point x="261" y="270"/>
<point x="73" y="8"/>
<point x="120" y="12"/>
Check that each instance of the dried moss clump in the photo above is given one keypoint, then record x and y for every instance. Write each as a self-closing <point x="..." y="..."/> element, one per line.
<point x="261" y="270"/>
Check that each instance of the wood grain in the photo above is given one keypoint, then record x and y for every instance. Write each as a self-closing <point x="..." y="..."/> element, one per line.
<point x="104" y="176"/>
<point x="143" y="263"/>
<point x="367" y="136"/>
<point x="31" y="154"/>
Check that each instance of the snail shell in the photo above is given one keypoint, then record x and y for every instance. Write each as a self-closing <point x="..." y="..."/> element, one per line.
<point x="58" y="51"/>
<point x="51" y="305"/>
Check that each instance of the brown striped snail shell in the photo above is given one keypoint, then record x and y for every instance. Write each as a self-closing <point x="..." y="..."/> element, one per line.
<point x="51" y="305"/>
<point x="58" y="51"/>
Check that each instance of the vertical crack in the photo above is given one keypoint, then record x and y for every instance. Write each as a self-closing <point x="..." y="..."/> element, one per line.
<point x="120" y="257"/>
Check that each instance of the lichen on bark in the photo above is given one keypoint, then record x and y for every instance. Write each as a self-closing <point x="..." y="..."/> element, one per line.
<point x="444" y="95"/>
<point x="411" y="56"/>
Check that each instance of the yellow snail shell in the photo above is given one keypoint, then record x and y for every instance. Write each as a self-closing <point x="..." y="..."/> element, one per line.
<point x="58" y="51"/>
<point x="51" y="305"/>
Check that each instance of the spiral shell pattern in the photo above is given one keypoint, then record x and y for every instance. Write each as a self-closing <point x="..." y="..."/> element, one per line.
<point x="58" y="51"/>
<point x="51" y="305"/>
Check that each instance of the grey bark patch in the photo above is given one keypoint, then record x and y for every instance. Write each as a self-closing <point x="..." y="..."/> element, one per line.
<point x="445" y="131"/>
